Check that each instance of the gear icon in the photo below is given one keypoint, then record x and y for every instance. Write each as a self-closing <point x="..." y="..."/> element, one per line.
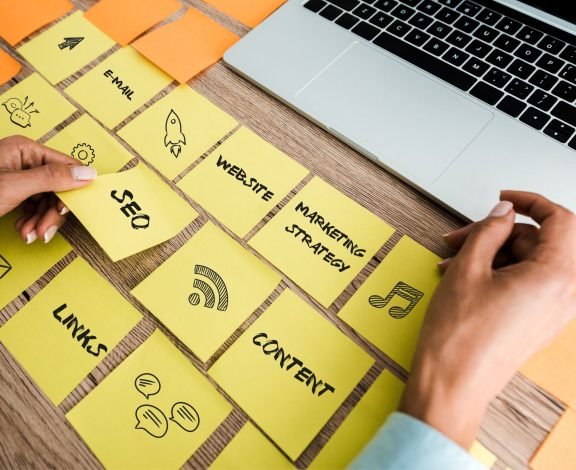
<point x="85" y="153"/>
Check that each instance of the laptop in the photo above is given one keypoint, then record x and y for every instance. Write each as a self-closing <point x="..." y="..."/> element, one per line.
<point x="458" y="98"/>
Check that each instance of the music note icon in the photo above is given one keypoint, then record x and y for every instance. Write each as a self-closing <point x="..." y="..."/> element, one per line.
<point x="403" y="290"/>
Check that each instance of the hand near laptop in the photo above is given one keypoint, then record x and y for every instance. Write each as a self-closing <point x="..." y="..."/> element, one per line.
<point x="29" y="174"/>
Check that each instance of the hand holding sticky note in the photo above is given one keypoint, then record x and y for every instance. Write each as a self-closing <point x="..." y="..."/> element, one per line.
<point x="129" y="212"/>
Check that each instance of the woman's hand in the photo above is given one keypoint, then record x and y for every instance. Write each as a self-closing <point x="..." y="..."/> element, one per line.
<point x="29" y="174"/>
<point x="507" y="293"/>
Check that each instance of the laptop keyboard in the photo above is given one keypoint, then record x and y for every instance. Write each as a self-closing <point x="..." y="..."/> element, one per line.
<point x="520" y="66"/>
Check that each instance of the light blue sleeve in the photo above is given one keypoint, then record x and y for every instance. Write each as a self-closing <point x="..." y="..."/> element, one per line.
<point x="407" y="443"/>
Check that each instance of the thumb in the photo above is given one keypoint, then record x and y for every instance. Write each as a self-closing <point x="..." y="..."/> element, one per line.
<point x="487" y="237"/>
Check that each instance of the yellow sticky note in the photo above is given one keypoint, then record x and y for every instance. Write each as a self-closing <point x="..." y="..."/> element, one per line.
<point x="118" y="86"/>
<point x="92" y="145"/>
<point x="250" y="450"/>
<point x="68" y="328"/>
<point x="66" y="47"/>
<point x="22" y="264"/>
<point x="32" y="108"/>
<point x="558" y="450"/>
<point x="290" y="371"/>
<point x="322" y="239"/>
<point x="242" y="180"/>
<point x="177" y="130"/>
<point x="153" y="411"/>
<point x="362" y="424"/>
<point x="130" y="211"/>
<point x="207" y="289"/>
<point x="389" y="307"/>
<point x="483" y="455"/>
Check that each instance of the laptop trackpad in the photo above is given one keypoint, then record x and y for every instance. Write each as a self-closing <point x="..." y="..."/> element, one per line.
<point x="402" y="117"/>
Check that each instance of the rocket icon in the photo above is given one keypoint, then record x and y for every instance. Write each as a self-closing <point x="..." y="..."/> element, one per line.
<point x="174" y="138"/>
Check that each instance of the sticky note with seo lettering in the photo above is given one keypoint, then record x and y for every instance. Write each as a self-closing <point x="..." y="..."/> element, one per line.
<point x="248" y="12"/>
<point x="176" y="130"/>
<point x="92" y="145"/>
<point x="64" y="332"/>
<point x="389" y="308"/>
<point x="290" y="371"/>
<point x="32" y="108"/>
<point x="153" y="411"/>
<point x="22" y="264"/>
<point x="242" y="180"/>
<point x="558" y="450"/>
<point x="250" y="450"/>
<point x="130" y="211"/>
<point x="207" y="289"/>
<point x="66" y="47"/>
<point x="321" y="239"/>
<point x="362" y="424"/>
<point x="118" y="86"/>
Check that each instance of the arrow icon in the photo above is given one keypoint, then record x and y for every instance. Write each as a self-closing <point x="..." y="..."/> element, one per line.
<point x="70" y="43"/>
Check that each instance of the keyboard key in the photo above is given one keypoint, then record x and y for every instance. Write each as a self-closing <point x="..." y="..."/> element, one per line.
<point x="402" y="12"/>
<point x="542" y="100"/>
<point x="499" y="58"/>
<point x="468" y="8"/>
<point x="458" y="39"/>
<point x="534" y="118"/>
<point x="559" y="130"/>
<point x="529" y="35"/>
<point x="527" y="53"/>
<point x="428" y="6"/>
<point x="486" y="93"/>
<point x="572" y="143"/>
<point x="565" y="90"/>
<point x="440" y="30"/>
<point x="488" y="17"/>
<point x="425" y="61"/>
<point x="506" y="43"/>
<point x="569" y="54"/>
<point x="417" y="37"/>
<point x="551" y="45"/>
<point x="347" y="21"/>
<point x="478" y="48"/>
<point x="519" y="88"/>
<point x="565" y="112"/>
<point x="511" y="106"/>
<point x="456" y="56"/>
<point x="411" y="3"/>
<point x="315" y="5"/>
<point x="331" y="12"/>
<point x="543" y="80"/>
<point x="364" y="11"/>
<point x="450" y="3"/>
<point x="385" y="5"/>
<point x="347" y="5"/>
<point x="508" y="25"/>
<point x="521" y="69"/>
<point x="436" y="47"/>
<point x="476" y="67"/>
<point x="447" y="15"/>
<point x="381" y="20"/>
<point x="365" y="30"/>
<point x="420" y="20"/>
<point x="466" y="24"/>
<point x="486" y="33"/>
<point x="497" y="78"/>
<point x="550" y="63"/>
<point x="568" y="73"/>
<point x="398" y="28"/>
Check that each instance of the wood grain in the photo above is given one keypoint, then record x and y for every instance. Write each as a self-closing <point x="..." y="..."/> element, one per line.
<point x="34" y="434"/>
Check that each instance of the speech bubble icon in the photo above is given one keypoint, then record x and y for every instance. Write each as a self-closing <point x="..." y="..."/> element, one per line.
<point x="185" y="416"/>
<point x="147" y="385"/>
<point x="152" y="420"/>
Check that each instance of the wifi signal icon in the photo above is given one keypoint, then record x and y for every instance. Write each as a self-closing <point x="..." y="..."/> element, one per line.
<point x="204" y="274"/>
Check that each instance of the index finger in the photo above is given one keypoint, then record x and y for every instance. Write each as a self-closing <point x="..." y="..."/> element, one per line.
<point x="37" y="154"/>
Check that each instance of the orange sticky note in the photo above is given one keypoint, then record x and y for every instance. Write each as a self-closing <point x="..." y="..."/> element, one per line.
<point x="187" y="46"/>
<point x="558" y="450"/>
<point x="125" y="20"/>
<point x="552" y="368"/>
<point x="19" y="18"/>
<point x="9" y="67"/>
<point x="249" y="12"/>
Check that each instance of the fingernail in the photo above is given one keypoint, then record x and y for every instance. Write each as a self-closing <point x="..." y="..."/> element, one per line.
<point x="501" y="209"/>
<point x="31" y="237"/>
<point x="83" y="173"/>
<point x="444" y="262"/>
<point x="49" y="234"/>
<point x="64" y="211"/>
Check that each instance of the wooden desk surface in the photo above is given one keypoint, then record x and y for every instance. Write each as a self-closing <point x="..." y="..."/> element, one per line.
<point x="34" y="433"/>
